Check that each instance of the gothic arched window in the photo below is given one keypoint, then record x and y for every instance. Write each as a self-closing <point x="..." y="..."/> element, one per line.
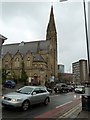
<point x="6" y="64"/>
<point x="17" y="62"/>
<point x="28" y="61"/>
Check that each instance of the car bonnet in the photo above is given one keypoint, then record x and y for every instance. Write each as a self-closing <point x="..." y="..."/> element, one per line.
<point x="16" y="95"/>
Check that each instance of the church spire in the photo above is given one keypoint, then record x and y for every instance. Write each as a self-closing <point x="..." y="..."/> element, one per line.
<point x="51" y="28"/>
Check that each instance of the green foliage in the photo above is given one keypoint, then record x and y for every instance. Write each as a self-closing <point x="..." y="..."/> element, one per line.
<point x="14" y="76"/>
<point x="5" y="74"/>
<point x="24" y="76"/>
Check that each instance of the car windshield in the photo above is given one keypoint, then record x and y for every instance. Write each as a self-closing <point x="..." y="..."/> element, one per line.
<point x="25" y="90"/>
<point x="79" y="86"/>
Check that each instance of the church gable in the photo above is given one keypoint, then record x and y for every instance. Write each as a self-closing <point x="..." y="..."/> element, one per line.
<point x="6" y="61"/>
<point x="28" y="59"/>
<point x="17" y="60"/>
<point x="37" y="57"/>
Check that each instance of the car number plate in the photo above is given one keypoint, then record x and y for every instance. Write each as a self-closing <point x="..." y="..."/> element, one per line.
<point x="4" y="102"/>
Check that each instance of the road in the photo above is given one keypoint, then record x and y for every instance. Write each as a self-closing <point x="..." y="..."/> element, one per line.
<point x="57" y="101"/>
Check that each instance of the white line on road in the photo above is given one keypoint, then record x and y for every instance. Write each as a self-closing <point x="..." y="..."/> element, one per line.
<point x="64" y="104"/>
<point x="72" y="112"/>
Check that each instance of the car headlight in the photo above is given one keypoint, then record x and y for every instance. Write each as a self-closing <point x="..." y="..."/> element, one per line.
<point x="80" y="89"/>
<point x="2" y="97"/>
<point x="13" y="100"/>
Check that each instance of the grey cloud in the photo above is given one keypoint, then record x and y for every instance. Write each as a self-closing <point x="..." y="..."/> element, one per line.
<point x="32" y="18"/>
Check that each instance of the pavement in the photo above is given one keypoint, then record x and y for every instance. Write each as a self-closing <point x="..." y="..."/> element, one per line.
<point x="76" y="113"/>
<point x="79" y="112"/>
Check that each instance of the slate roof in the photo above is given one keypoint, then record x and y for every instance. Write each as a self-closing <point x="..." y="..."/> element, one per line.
<point x="2" y="37"/>
<point x="24" y="47"/>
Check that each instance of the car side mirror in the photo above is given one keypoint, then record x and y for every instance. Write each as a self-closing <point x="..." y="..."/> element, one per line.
<point x="34" y="93"/>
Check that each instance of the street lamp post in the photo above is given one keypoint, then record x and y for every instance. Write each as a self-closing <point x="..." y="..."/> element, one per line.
<point x="87" y="40"/>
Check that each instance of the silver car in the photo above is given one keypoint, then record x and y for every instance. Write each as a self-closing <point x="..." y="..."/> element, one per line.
<point x="26" y="96"/>
<point x="80" y="89"/>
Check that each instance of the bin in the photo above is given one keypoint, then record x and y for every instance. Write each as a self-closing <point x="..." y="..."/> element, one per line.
<point x="86" y="102"/>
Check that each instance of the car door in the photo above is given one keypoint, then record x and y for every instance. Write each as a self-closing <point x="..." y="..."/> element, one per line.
<point x="44" y="94"/>
<point x="36" y="96"/>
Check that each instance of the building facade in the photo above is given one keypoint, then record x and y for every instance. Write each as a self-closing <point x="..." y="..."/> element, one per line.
<point x="80" y="71"/>
<point x="39" y="57"/>
<point x="60" y="68"/>
<point x="2" y="39"/>
<point x="66" y="77"/>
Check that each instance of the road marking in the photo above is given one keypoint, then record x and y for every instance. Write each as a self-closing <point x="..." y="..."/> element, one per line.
<point x="64" y="104"/>
<point x="55" y="111"/>
<point x="75" y="96"/>
<point x="70" y="112"/>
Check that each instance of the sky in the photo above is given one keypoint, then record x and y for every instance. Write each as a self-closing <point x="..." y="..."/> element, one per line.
<point x="24" y="20"/>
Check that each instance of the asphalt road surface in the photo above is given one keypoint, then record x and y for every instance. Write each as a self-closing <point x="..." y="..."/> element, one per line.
<point x="57" y="100"/>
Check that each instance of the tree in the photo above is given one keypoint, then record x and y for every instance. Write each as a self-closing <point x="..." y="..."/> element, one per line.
<point x="24" y="76"/>
<point x="15" y="77"/>
<point x="5" y="74"/>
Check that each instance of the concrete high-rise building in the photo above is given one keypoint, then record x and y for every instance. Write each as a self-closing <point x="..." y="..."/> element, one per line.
<point x="80" y="71"/>
<point x="60" y="68"/>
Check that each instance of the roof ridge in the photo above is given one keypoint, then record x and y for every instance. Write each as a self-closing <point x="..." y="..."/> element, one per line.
<point x="24" y="42"/>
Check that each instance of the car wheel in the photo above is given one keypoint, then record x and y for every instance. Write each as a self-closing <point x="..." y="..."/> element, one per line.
<point x="25" y="105"/>
<point x="55" y="91"/>
<point x="51" y="91"/>
<point x="63" y="90"/>
<point x="46" y="101"/>
<point x="83" y="92"/>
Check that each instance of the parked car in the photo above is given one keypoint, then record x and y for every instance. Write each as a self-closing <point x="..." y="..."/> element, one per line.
<point x="61" y="87"/>
<point x="49" y="90"/>
<point x="26" y="96"/>
<point x="79" y="89"/>
<point x="71" y="88"/>
<point x="9" y="84"/>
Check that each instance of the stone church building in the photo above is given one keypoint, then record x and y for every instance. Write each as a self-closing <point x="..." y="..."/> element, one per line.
<point x="39" y="57"/>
